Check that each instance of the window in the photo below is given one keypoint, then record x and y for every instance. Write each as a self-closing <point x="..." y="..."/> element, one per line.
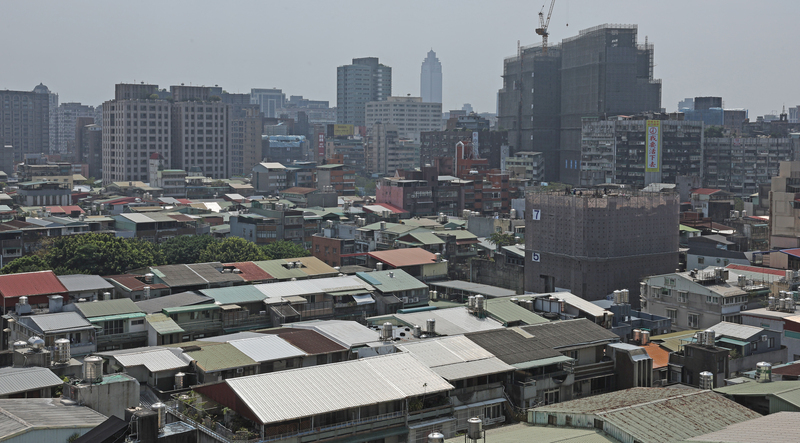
<point x="771" y="342"/>
<point x="721" y="365"/>
<point x="683" y="296"/>
<point x="694" y="320"/>
<point x="672" y="314"/>
<point x="655" y="292"/>
<point x="701" y="260"/>
<point x="754" y="345"/>
<point x="137" y="322"/>
<point x="113" y="327"/>
<point x="665" y="292"/>
<point x="669" y="281"/>
<point x="551" y="397"/>
<point x="712" y="299"/>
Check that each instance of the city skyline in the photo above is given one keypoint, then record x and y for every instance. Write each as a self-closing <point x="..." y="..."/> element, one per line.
<point x="696" y="56"/>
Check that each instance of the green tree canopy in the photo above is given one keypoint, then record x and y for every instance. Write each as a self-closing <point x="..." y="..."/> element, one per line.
<point x="713" y="132"/>
<point x="232" y="249"/>
<point x="284" y="249"/>
<point x="28" y="263"/>
<point x="501" y="239"/>
<point x="101" y="254"/>
<point x="185" y="248"/>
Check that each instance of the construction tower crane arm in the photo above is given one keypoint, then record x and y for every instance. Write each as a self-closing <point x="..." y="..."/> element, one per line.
<point x="543" y="24"/>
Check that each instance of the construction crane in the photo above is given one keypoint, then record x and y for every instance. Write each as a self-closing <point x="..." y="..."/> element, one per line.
<point x="543" y="24"/>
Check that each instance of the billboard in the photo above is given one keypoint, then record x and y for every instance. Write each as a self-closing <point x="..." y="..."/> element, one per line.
<point x="321" y="147"/>
<point x="342" y="130"/>
<point x="653" y="144"/>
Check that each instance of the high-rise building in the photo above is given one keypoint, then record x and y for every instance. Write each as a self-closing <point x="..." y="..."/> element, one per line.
<point x="247" y="125"/>
<point x="200" y="132"/>
<point x="409" y="114"/>
<point x="268" y="100"/>
<point x="134" y="127"/>
<point x="24" y="122"/>
<point x="66" y="117"/>
<point x="601" y="71"/>
<point x="740" y="165"/>
<point x="365" y="80"/>
<point x="385" y="153"/>
<point x="89" y="145"/>
<point x="430" y="79"/>
<point x="592" y="244"/>
<point x="52" y="99"/>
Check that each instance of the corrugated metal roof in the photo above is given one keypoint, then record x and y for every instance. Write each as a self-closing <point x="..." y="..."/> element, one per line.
<point x="194" y="274"/>
<point x="14" y="380"/>
<point x="475" y="288"/>
<point x="220" y="356"/>
<point x="309" y="341"/>
<point x="118" y="317"/>
<point x="759" y="389"/>
<point x="30" y="283"/>
<point x="193" y="308"/>
<point x="234" y="294"/>
<point x="315" y="267"/>
<point x="523" y="432"/>
<point x="452" y="321"/>
<point x="267" y="348"/>
<point x="767" y="429"/>
<point x="287" y="395"/>
<point x="154" y="305"/>
<point x="401" y="281"/>
<point x="313" y="286"/>
<point x="163" y="324"/>
<point x="445" y="351"/>
<point x="735" y="330"/>
<point x="251" y="271"/>
<point x="155" y="360"/>
<point x="82" y="282"/>
<point x="18" y="415"/>
<point x="347" y="333"/>
<point x="469" y="369"/>
<point x="132" y="283"/>
<point x="507" y="312"/>
<point x="398" y="258"/>
<point x="276" y="269"/>
<point x="674" y="340"/>
<point x="104" y="308"/>
<point x="57" y="322"/>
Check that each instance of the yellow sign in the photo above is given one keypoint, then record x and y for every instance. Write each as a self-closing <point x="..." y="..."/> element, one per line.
<point x="342" y="130"/>
<point x="653" y="146"/>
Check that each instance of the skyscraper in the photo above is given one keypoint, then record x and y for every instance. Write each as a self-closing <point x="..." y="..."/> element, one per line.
<point x="366" y="80"/>
<point x="430" y="79"/>
<point x="601" y="71"/>
<point x="24" y="122"/>
<point x="269" y="100"/>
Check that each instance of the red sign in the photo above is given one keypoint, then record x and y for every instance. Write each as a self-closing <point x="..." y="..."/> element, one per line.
<point x="321" y="147"/>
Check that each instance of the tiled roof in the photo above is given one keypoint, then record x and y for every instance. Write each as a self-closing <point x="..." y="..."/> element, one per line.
<point x="30" y="283"/>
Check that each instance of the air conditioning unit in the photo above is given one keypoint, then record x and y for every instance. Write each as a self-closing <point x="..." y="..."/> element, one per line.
<point x="240" y="370"/>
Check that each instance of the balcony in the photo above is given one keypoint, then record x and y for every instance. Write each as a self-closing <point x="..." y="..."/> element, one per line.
<point x="594" y="370"/>
<point x="119" y="339"/>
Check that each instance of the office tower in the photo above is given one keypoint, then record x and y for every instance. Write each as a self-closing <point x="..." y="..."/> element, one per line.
<point x="24" y="122"/>
<point x="134" y="126"/>
<point x="200" y="132"/>
<point x="430" y="79"/>
<point x="687" y="103"/>
<point x="246" y="127"/>
<point x="89" y="145"/>
<point x="52" y="99"/>
<point x="366" y="80"/>
<point x="66" y="116"/>
<point x="385" y="153"/>
<point x="703" y="103"/>
<point x="592" y="244"/>
<point x="409" y="114"/>
<point x="268" y="100"/>
<point x="601" y="71"/>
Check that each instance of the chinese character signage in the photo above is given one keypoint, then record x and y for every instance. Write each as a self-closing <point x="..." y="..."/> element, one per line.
<point x="321" y="147"/>
<point x="653" y="145"/>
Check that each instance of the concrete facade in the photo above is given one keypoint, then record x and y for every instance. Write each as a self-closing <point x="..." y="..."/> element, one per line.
<point x="595" y="244"/>
<point x="739" y="165"/>
<point x="784" y="212"/>
<point x="409" y="114"/>
<point x="25" y="122"/>
<point x="365" y="80"/>
<point x="430" y="79"/>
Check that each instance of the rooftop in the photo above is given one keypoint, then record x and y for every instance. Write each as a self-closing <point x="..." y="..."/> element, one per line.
<point x="250" y="271"/>
<point x="194" y="274"/>
<point x="309" y="341"/>
<point x="157" y="304"/>
<point x="398" y="258"/>
<point x="105" y="308"/>
<point x="83" y="282"/>
<point x="767" y="429"/>
<point x="220" y="356"/>
<point x="391" y="281"/>
<point x="18" y="416"/>
<point x="349" y="334"/>
<point x="16" y="380"/>
<point x="474" y="288"/>
<point x="451" y="321"/>
<point x="540" y="434"/>
<point x="55" y="323"/>
<point x="30" y="283"/>
<point x="735" y="330"/>
<point x="455" y="358"/>
<point x="154" y="359"/>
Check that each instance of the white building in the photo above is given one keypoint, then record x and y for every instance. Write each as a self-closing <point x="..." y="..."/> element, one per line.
<point x="410" y="114"/>
<point x="430" y="79"/>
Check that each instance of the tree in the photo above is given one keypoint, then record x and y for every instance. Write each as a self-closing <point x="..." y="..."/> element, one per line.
<point x="28" y="263"/>
<point x="185" y="248"/>
<point x="500" y="239"/>
<point x="713" y="132"/>
<point x="231" y="250"/>
<point x="101" y="254"/>
<point x="284" y="249"/>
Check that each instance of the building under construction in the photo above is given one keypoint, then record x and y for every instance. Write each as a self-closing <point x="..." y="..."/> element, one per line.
<point x="601" y="71"/>
<point x="594" y="242"/>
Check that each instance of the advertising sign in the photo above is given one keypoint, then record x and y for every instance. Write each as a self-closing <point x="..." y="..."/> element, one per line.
<point x="342" y="130"/>
<point x="321" y="147"/>
<point x="653" y="145"/>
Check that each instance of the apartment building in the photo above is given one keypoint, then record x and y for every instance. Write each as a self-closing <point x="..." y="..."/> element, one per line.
<point x="201" y="136"/>
<point x="411" y="115"/>
<point x="740" y="165"/>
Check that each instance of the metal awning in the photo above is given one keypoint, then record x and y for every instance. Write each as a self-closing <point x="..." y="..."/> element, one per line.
<point x="230" y="307"/>
<point x="733" y="341"/>
<point x="542" y="362"/>
<point x="118" y="317"/>
<point x="364" y="299"/>
<point x="295" y="299"/>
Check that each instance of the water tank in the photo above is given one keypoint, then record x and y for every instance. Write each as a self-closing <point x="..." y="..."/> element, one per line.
<point x="435" y="437"/>
<point x="434" y="295"/>
<point x="92" y="368"/>
<point x="637" y="335"/>
<point x="417" y="331"/>
<point x="180" y="377"/>
<point x="148" y="278"/>
<point x="514" y="300"/>
<point x="706" y="380"/>
<point x="20" y="344"/>
<point x="617" y="297"/>
<point x="438" y="257"/>
<point x="513" y="213"/>
<point x="106" y="296"/>
<point x="763" y="372"/>
<point x="742" y="281"/>
<point x="61" y="351"/>
<point x="474" y="428"/>
<point x="379" y="266"/>
<point x="480" y="302"/>
<point x="386" y="332"/>
<point x="391" y="274"/>
<point x="471" y="301"/>
<point x="645" y="337"/>
<point x="771" y="303"/>
<point x="561" y="305"/>
<point x="36" y="343"/>
<point x="431" y="326"/>
<point x="146" y="293"/>
<point x="781" y="304"/>
<point x="709" y="337"/>
<point x="23" y="300"/>
<point x="161" y="409"/>
<point x="625" y="295"/>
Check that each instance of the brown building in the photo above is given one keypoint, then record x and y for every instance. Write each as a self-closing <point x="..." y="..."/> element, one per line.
<point x="594" y="243"/>
<point x="341" y="177"/>
<point x="330" y="250"/>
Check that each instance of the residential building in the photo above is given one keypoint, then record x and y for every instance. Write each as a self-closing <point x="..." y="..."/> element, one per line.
<point x="740" y="165"/>
<point x="411" y="115"/>
<point x="134" y="127"/>
<point x="699" y="299"/>
<point x="430" y="79"/>
<point x="333" y="243"/>
<point x="200" y="133"/>
<point x="22" y="419"/>
<point x="526" y="167"/>
<point x="269" y="178"/>
<point x="89" y="145"/>
<point x="192" y="277"/>
<point x="36" y="287"/>
<point x="269" y="101"/>
<point x="749" y="345"/>
<point x="158" y="227"/>
<point x="365" y="80"/>
<point x="397" y="285"/>
<point x="340" y="178"/>
<point x="268" y="223"/>
<point x="598" y="256"/>
<point x="385" y="153"/>
<point x="548" y="118"/>
<point x="785" y="322"/>
<point x="417" y="262"/>
<point x="67" y="115"/>
<point x="614" y="150"/>
<point x="784" y="213"/>
<point x="492" y="145"/>
<point x="119" y="323"/>
<point x="25" y="122"/>
<point x="55" y="326"/>
<point x="285" y="149"/>
<point x="246" y="127"/>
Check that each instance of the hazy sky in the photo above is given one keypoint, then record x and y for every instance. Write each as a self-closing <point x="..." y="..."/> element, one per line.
<point x="735" y="49"/>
